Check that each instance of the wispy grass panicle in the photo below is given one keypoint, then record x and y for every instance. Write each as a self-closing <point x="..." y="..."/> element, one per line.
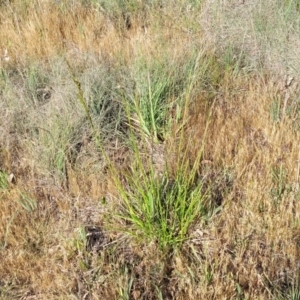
<point x="82" y="100"/>
<point x="80" y="97"/>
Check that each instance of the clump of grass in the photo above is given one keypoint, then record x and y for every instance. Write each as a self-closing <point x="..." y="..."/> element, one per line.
<point x="162" y="209"/>
<point x="149" y="104"/>
<point x="27" y="202"/>
<point x="161" y="90"/>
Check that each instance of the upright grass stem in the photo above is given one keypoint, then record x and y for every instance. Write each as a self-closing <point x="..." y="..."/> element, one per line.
<point x="80" y="97"/>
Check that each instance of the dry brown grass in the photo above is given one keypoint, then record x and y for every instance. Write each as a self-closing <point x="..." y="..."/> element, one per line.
<point x="246" y="249"/>
<point x="251" y="237"/>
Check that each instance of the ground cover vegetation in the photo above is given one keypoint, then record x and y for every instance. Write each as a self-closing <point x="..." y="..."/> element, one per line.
<point x="149" y="149"/>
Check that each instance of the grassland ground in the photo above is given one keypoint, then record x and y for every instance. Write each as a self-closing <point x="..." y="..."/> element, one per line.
<point x="149" y="149"/>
